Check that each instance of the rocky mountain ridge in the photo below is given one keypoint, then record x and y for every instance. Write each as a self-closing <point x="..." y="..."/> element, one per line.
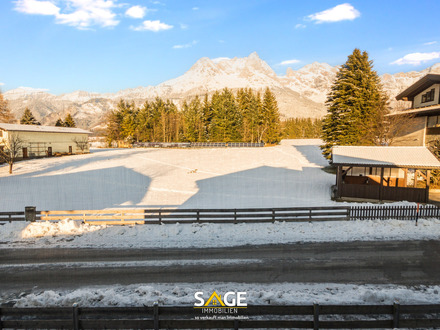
<point x="300" y="93"/>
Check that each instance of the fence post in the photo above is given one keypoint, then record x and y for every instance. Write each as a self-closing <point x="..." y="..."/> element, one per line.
<point x="160" y="217"/>
<point x="273" y="215"/>
<point x="396" y="314"/>
<point x="75" y="317"/>
<point x="30" y="213"/>
<point x="310" y="215"/>
<point x="315" y="316"/>
<point x="235" y="216"/>
<point x="198" y="215"/>
<point x="156" y="315"/>
<point x="235" y="324"/>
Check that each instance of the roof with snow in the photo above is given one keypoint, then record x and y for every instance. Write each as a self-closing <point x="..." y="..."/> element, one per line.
<point x="406" y="157"/>
<point x="419" y="86"/>
<point x="38" y="128"/>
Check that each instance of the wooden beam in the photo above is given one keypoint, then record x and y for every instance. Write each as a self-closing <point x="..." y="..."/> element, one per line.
<point x="381" y="184"/>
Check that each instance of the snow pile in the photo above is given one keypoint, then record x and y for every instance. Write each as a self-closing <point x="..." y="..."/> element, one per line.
<point x="257" y="294"/>
<point x="65" y="227"/>
<point x="70" y="233"/>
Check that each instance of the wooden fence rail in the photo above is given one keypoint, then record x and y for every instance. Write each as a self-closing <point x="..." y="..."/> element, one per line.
<point x="170" y="216"/>
<point x="245" y="215"/>
<point x="259" y="317"/>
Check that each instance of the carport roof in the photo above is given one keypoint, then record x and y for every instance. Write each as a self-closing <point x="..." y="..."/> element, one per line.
<point x="377" y="156"/>
<point x="38" y="128"/>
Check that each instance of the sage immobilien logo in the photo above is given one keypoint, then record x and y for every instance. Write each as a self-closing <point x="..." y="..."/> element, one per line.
<point x="230" y="303"/>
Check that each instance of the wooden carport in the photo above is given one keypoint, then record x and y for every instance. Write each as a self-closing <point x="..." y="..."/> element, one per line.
<point x="383" y="173"/>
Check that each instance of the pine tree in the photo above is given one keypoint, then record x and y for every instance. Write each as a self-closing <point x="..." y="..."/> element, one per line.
<point x="193" y="120"/>
<point x="59" y="123"/>
<point x="68" y="121"/>
<point x="226" y="125"/>
<point x="5" y="114"/>
<point x="271" y="118"/>
<point x="354" y="103"/>
<point x="28" y="118"/>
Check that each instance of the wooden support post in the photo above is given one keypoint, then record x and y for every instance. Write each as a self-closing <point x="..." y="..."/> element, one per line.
<point x="381" y="184"/>
<point x="75" y="317"/>
<point x="339" y="182"/>
<point x="405" y="177"/>
<point x="428" y="178"/>
<point x="315" y="316"/>
<point x="156" y="315"/>
<point x="396" y="315"/>
<point x="30" y="213"/>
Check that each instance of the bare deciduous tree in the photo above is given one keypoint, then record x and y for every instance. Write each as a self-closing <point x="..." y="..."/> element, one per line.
<point x="10" y="149"/>
<point x="82" y="143"/>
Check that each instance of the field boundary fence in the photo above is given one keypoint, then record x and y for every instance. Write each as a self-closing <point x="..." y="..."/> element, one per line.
<point x="314" y="316"/>
<point x="132" y="216"/>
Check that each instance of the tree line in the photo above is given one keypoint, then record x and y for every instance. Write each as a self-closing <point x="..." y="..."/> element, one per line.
<point x="246" y="116"/>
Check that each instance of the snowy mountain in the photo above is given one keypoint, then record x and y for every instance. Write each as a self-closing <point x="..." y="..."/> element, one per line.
<point x="300" y="93"/>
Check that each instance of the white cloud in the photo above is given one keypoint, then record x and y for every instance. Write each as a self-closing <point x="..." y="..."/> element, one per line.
<point x="2" y="84"/>
<point x="154" y="26"/>
<point x="417" y="58"/>
<point x="430" y="43"/>
<point x="34" y="7"/>
<point x="136" y="12"/>
<point x="195" y="8"/>
<point x="188" y="45"/>
<point x="81" y="14"/>
<point x="288" y="62"/>
<point x="300" y="26"/>
<point x="339" y="13"/>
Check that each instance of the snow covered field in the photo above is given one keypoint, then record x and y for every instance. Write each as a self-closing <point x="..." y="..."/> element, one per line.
<point x="257" y="294"/>
<point x="289" y="174"/>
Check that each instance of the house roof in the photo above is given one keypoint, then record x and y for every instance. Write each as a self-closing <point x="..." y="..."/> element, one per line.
<point x="418" y="87"/>
<point x="406" y="157"/>
<point x="429" y="110"/>
<point x="38" y="128"/>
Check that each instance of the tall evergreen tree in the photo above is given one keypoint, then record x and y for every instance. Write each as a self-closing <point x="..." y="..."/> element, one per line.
<point x="28" y="118"/>
<point x="59" y="123"/>
<point x="5" y="113"/>
<point x="355" y="104"/>
<point x="226" y="124"/>
<point x="271" y="132"/>
<point x="68" y="121"/>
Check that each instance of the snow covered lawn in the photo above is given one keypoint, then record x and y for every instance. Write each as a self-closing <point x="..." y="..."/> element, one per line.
<point x="289" y="174"/>
<point x="257" y="294"/>
<point x="68" y="233"/>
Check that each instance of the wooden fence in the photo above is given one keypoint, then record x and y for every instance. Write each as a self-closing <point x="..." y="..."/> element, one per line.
<point x="257" y="317"/>
<point x="171" y="216"/>
<point x="198" y="145"/>
<point x="385" y="212"/>
<point x="250" y="215"/>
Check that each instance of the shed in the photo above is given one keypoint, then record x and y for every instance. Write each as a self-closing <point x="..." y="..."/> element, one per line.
<point x="40" y="141"/>
<point x="383" y="173"/>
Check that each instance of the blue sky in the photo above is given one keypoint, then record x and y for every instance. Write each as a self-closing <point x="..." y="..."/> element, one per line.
<point x="109" y="45"/>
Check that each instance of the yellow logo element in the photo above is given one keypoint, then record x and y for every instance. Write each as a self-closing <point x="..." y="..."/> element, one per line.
<point x="216" y="299"/>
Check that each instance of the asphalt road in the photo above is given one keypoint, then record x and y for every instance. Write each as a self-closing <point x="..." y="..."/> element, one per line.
<point x="397" y="262"/>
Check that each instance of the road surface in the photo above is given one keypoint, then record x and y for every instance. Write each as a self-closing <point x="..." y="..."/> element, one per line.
<point x="396" y="262"/>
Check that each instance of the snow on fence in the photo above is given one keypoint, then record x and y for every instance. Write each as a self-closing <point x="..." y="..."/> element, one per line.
<point x="250" y="215"/>
<point x="187" y="317"/>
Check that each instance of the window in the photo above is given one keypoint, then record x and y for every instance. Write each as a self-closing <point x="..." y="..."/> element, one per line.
<point x="433" y="121"/>
<point x="428" y="96"/>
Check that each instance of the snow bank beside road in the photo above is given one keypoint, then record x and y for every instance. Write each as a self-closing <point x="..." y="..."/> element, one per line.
<point x="69" y="233"/>
<point x="257" y="294"/>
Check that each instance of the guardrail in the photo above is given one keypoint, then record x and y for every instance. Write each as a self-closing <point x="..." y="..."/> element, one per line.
<point x="258" y="317"/>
